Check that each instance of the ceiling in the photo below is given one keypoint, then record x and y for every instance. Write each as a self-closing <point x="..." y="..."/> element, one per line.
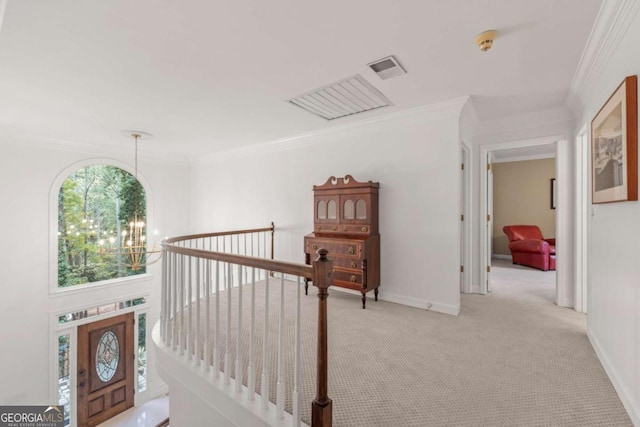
<point x="205" y="76"/>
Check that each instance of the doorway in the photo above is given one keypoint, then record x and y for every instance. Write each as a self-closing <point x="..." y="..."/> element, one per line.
<point x="105" y="369"/>
<point x="522" y="192"/>
<point x="525" y="148"/>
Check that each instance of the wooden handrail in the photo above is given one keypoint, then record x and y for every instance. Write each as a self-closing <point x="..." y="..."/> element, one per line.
<point x="222" y="233"/>
<point x="301" y="270"/>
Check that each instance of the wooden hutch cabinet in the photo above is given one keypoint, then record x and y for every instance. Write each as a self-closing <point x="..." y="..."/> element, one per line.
<point x="346" y="224"/>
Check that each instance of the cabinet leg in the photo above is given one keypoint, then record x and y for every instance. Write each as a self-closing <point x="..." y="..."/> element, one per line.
<point x="364" y="300"/>
<point x="306" y="286"/>
<point x="375" y="292"/>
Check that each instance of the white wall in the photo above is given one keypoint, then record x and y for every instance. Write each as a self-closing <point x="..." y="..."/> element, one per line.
<point x="27" y="172"/>
<point x="614" y="247"/>
<point x="416" y="160"/>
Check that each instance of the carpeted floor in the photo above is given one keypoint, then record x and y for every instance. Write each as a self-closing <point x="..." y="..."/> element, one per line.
<point x="511" y="358"/>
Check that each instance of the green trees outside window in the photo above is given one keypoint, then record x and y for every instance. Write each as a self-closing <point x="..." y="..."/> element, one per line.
<point x="95" y="205"/>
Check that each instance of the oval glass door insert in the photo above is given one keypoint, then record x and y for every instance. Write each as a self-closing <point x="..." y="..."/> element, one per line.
<point x="107" y="356"/>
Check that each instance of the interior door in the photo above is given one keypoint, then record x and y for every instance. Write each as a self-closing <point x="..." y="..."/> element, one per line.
<point x="463" y="243"/>
<point x="106" y="362"/>
<point x="489" y="219"/>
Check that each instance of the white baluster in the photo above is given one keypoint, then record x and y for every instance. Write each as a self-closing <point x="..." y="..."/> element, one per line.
<point x="182" y="328"/>
<point x="227" y="364"/>
<point x="251" y="370"/>
<point x="163" y="300"/>
<point x="280" y="384"/>
<point x="198" y="339"/>
<point x="190" y="337"/>
<point x="224" y="270"/>
<point x="265" y="349"/>
<point x="207" y="324"/>
<point x="245" y="253"/>
<point x="216" y="343"/>
<point x="174" y="300"/>
<point x="165" y="296"/>
<point x="296" y="367"/>
<point x="239" y="336"/>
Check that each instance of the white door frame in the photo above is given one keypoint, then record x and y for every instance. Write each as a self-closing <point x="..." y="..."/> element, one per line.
<point x="57" y="329"/>
<point x="563" y="200"/>
<point x="581" y="217"/>
<point x="466" y="259"/>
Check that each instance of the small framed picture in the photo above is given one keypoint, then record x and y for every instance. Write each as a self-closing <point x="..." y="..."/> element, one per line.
<point x="553" y="193"/>
<point x="614" y="146"/>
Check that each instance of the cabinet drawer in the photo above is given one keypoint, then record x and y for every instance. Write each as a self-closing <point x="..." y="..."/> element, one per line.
<point x="363" y="229"/>
<point x="352" y="278"/>
<point x="344" y="262"/>
<point x="353" y="249"/>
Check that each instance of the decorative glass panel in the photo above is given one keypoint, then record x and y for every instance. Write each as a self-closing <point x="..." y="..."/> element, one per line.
<point x="322" y="210"/>
<point x="95" y="311"/>
<point x="64" y="382"/>
<point x="348" y="210"/>
<point x="361" y="209"/>
<point x="332" y="211"/>
<point x="107" y="355"/>
<point x="142" y="352"/>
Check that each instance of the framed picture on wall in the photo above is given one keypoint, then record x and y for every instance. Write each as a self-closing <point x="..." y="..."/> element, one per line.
<point x="614" y="146"/>
<point x="553" y="193"/>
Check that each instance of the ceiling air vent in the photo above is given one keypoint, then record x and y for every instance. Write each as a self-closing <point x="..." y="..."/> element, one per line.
<point x="346" y="97"/>
<point x="387" y="67"/>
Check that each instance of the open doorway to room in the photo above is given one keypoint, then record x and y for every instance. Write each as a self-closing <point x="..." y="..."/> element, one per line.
<point x="523" y="255"/>
<point x="526" y="150"/>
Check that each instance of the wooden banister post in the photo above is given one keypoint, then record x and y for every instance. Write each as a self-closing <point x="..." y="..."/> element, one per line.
<point x="321" y="409"/>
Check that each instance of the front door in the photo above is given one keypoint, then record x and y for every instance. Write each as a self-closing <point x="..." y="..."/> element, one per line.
<point x="105" y="369"/>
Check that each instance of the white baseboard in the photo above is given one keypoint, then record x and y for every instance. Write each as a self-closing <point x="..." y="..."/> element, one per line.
<point x="565" y="302"/>
<point x="408" y="301"/>
<point x="420" y="303"/>
<point x="623" y="393"/>
<point x="500" y="256"/>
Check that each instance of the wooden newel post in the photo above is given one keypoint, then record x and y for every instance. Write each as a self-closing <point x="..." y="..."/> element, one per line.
<point x="321" y="410"/>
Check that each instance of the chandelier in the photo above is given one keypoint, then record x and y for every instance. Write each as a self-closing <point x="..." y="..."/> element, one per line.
<point x="133" y="250"/>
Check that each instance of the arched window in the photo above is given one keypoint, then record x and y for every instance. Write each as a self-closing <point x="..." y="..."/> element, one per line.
<point x="96" y="210"/>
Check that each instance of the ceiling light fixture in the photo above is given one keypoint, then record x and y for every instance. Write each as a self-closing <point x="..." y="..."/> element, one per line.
<point x="133" y="249"/>
<point x="485" y="39"/>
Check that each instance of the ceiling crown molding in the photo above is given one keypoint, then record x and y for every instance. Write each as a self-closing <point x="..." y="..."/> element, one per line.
<point x="611" y="25"/>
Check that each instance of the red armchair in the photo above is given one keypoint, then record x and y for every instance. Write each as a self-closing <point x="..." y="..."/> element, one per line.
<point x="529" y="248"/>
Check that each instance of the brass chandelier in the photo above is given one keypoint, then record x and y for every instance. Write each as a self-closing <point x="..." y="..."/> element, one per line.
<point x="133" y="250"/>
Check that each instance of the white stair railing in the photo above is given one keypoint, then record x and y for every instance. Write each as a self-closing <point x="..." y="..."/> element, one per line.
<point x="197" y="275"/>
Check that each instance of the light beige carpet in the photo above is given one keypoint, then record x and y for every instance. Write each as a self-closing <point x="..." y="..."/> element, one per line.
<point x="512" y="358"/>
